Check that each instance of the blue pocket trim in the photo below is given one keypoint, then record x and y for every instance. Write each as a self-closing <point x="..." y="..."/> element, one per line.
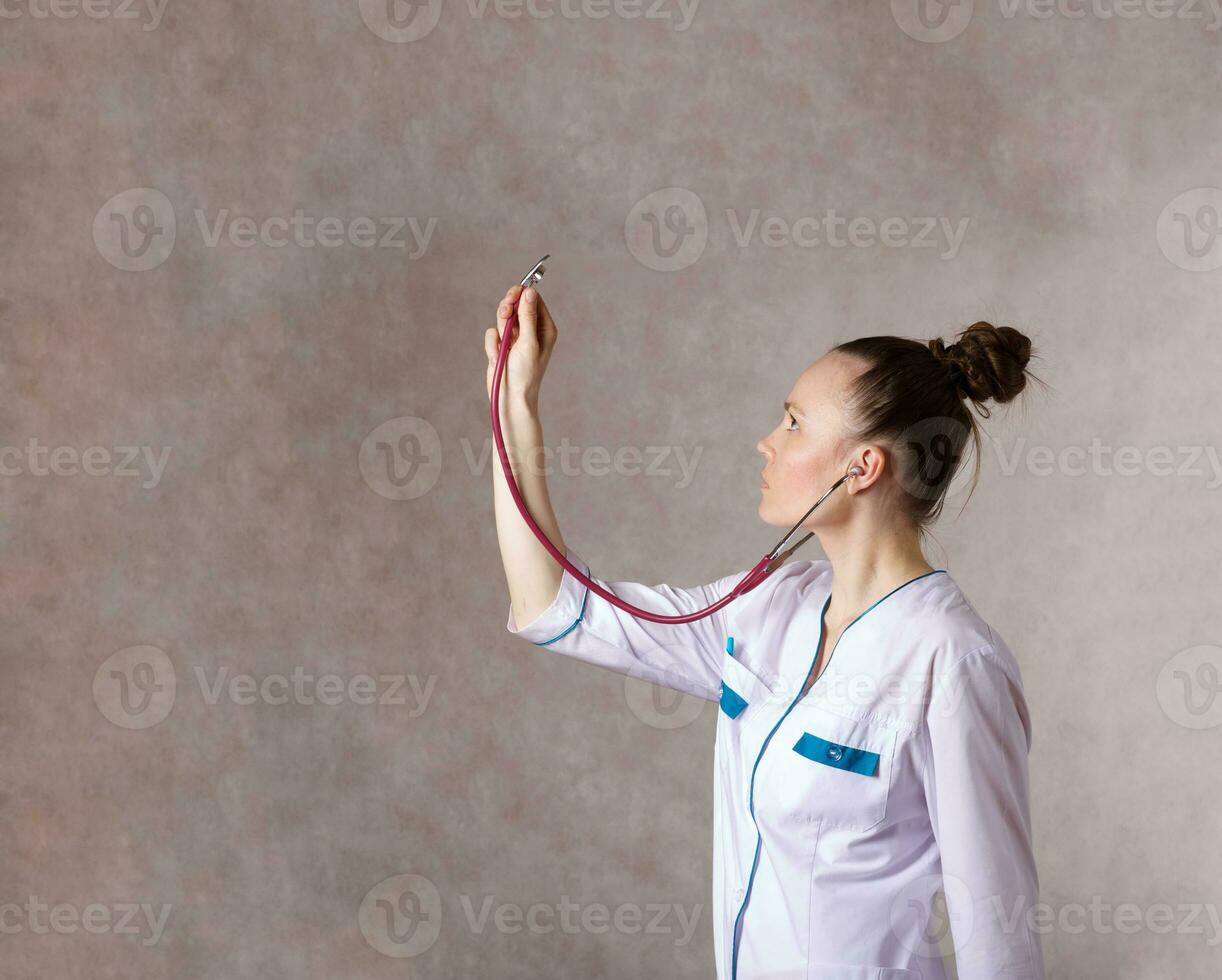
<point x="732" y="703"/>
<point x="837" y="756"/>
<point x="730" y="645"/>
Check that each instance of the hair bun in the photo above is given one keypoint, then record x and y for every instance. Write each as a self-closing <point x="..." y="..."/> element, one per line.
<point x="986" y="363"/>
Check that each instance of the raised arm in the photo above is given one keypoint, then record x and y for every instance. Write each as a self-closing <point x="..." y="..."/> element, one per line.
<point x="532" y="575"/>
<point x="556" y="610"/>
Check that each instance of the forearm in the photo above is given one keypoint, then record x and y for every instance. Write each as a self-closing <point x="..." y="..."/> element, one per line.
<point x="532" y="575"/>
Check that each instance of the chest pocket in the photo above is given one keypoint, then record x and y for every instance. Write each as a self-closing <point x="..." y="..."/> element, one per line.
<point x="831" y="770"/>
<point x="741" y="689"/>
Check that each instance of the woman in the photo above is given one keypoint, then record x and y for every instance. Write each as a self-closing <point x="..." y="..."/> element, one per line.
<point x="872" y="737"/>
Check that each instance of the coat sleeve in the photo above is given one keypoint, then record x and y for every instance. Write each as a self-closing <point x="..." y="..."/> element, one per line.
<point x="976" y="784"/>
<point x="685" y="657"/>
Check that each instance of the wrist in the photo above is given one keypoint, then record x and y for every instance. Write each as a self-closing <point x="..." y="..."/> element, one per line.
<point x="520" y="408"/>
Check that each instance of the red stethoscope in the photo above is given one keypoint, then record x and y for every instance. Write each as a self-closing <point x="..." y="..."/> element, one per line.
<point x="763" y="568"/>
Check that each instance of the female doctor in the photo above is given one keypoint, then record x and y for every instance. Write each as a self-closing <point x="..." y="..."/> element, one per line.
<point x="872" y="736"/>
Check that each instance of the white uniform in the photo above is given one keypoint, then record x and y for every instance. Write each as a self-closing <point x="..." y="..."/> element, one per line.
<point x="838" y="815"/>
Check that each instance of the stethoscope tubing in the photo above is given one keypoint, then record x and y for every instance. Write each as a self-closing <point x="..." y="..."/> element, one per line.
<point x="762" y="569"/>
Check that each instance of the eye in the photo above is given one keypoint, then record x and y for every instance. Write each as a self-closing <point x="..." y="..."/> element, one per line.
<point x="792" y="422"/>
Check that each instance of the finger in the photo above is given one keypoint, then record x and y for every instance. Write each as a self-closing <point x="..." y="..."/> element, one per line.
<point x="528" y="318"/>
<point x="547" y="326"/>
<point x="491" y="343"/>
<point x="506" y="307"/>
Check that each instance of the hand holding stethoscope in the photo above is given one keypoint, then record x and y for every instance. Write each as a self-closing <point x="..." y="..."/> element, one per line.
<point x="534" y="338"/>
<point x="531" y="341"/>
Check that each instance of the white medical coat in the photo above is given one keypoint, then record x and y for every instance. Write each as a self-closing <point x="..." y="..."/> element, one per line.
<point x="838" y="815"/>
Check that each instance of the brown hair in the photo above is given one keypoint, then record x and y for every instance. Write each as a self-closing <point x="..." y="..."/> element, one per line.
<point x="912" y="399"/>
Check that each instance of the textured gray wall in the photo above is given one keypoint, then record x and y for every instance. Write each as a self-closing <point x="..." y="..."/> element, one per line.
<point x="266" y="390"/>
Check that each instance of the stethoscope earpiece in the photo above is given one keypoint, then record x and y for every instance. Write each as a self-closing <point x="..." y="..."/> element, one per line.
<point x="855" y="471"/>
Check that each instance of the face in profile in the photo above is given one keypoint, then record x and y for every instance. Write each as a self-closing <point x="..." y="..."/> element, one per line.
<point x="807" y="452"/>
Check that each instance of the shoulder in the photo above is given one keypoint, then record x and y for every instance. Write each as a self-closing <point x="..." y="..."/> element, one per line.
<point x="963" y="638"/>
<point x="793" y="581"/>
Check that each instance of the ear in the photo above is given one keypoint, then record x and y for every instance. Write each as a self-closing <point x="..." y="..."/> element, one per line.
<point x="866" y="466"/>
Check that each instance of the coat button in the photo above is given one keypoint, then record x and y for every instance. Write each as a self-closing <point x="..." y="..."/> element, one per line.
<point x="833" y="752"/>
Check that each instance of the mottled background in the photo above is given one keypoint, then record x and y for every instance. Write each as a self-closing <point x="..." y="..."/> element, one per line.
<point x="308" y="488"/>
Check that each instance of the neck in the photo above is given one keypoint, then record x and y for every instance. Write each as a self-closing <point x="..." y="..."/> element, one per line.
<point x="869" y="560"/>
